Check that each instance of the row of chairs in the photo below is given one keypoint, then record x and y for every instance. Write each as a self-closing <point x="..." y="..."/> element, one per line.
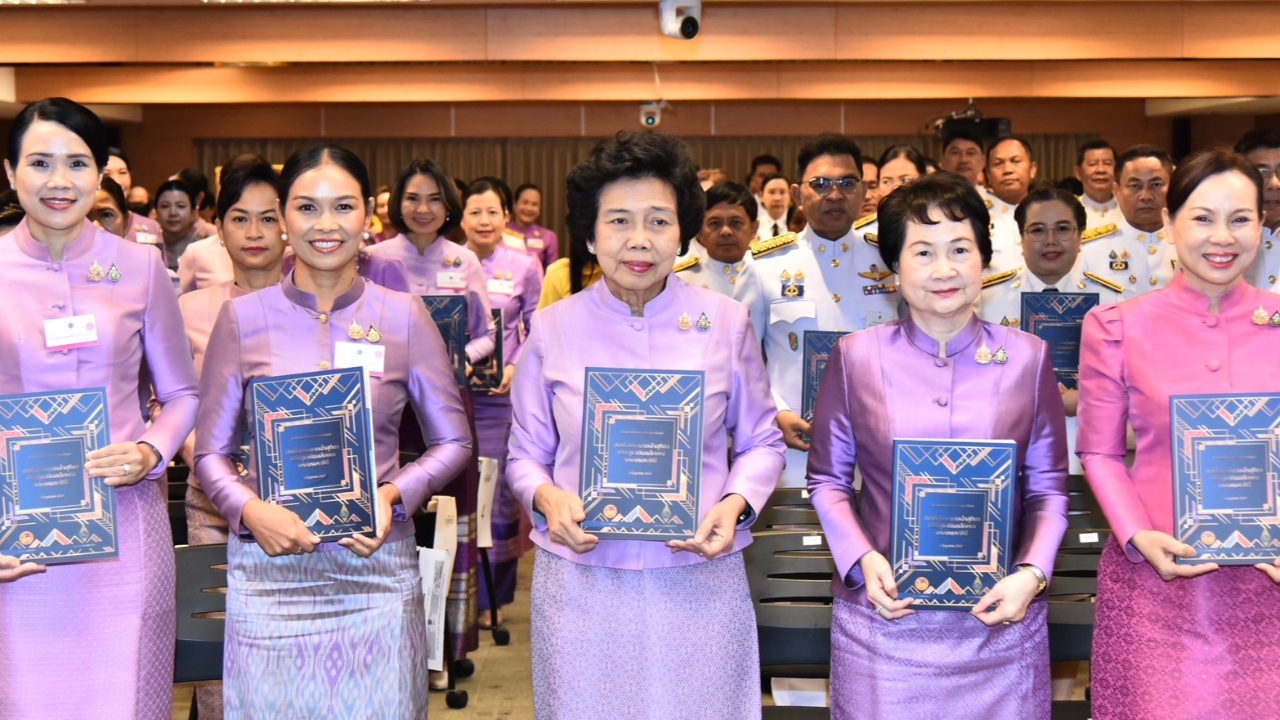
<point x="789" y="569"/>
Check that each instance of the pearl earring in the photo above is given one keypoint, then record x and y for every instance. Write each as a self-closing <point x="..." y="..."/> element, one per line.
<point x="591" y="248"/>
<point x="367" y="237"/>
<point x="284" y="236"/>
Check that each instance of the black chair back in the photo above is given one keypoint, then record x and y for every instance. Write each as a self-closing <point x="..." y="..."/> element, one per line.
<point x="787" y="509"/>
<point x="202" y="601"/>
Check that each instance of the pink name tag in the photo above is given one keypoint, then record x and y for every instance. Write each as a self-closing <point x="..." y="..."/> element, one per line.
<point x="534" y="243"/>
<point x="70" y="333"/>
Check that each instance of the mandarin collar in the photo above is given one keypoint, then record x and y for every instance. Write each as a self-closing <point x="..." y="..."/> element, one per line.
<point x="304" y="299"/>
<point x="606" y="299"/>
<point x="1197" y="301"/>
<point x="925" y="343"/>
<point x="37" y="250"/>
<point x="810" y="237"/>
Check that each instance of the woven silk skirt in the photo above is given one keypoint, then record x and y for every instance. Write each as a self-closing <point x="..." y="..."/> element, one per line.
<point x="325" y="636"/>
<point x="938" y="665"/>
<point x="673" y="643"/>
<point x="1205" y="648"/>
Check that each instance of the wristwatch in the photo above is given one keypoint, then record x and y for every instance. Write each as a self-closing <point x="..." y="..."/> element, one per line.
<point x="1044" y="580"/>
<point x="155" y="451"/>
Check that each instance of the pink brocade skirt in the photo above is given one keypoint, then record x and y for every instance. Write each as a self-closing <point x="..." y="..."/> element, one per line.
<point x="1206" y="648"/>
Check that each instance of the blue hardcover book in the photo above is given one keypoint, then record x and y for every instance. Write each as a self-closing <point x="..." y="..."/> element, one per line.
<point x="450" y="315"/>
<point x="1226" y="456"/>
<point x="51" y="511"/>
<point x="313" y="449"/>
<point x="642" y="453"/>
<point x="1058" y="318"/>
<point x="952" y="519"/>
<point x="487" y="374"/>
<point x="817" y="348"/>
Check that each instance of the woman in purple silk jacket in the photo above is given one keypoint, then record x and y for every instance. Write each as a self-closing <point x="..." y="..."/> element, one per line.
<point x="333" y="630"/>
<point x="1175" y="642"/>
<point x="113" y="620"/>
<point x="939" y="373"/>
<point x="646" y="629"/>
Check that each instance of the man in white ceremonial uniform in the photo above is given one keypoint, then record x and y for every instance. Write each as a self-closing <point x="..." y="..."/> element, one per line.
<point x="1136" y="252"/>
<point x="721" y="252"/>
<point x="1262" y="148"/>
<point x="962" y="154"/>
<point x="1096" y="171"/>
<point x="825" y="278"/>
<point x="1010" y="171"/>
<point x="1050" y="220"/>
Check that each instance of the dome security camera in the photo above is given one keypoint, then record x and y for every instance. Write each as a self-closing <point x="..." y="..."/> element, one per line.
<point x="651" y="114"/>
<point x="680" y="19"/>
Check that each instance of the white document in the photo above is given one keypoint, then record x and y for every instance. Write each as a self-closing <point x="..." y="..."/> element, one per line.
<point x="436" y="566"/>
<point x="484" y="510"/>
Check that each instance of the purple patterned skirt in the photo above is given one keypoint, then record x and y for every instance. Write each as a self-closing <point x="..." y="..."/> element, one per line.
<point x="673" y="643"/>
<point x="95" y="640"/>
<point x="205" y="527"/>
<point x="938" y="665"/>
<point x="1206" y="648"/>
<point x="493" y="431"/>
<point x="327" y="635"/>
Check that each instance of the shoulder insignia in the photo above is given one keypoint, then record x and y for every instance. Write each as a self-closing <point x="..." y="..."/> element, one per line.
<point x="998" y="278"/>
<point x="687" y="263"/>
<point x="1110" y="285"/>
<point x="764" y="247"/>
<point x="864" y="221"/>
<point x="989" y="204"/>
<point x="1099" y="232"/>
<point x="871" y="239"/>
<point x="513" y="233"/>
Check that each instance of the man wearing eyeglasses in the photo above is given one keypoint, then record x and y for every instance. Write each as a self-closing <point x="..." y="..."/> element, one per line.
<point x="1136" y="250"/>
<point x="1262" y="148"/>
<point x="825" y="278"/>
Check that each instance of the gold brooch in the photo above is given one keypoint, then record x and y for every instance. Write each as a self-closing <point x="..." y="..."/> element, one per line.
<point x="355" y="332"/>
<point x="1260" y="316"/>
<point x="685" y="321"/>
<point x="373" y="335"/>
<point x="95" y="272"/>
<point x="983" y="355"/>
<point x="794" y="340"/>
<point x="1001" y="357"/>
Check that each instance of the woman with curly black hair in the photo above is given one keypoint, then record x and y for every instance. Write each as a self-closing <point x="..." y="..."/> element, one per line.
<point x="647" y="629"/>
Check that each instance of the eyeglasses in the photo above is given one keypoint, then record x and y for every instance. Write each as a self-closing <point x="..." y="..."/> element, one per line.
<point x="823" y="186"/>
<point x="1061" y="231"/>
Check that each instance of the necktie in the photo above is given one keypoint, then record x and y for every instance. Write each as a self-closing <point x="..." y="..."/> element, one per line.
<point x="1051" y="289"/>
<point x="776" y="230"/>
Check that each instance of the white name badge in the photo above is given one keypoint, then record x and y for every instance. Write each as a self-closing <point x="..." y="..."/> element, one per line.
<point x="534" y="243"/>
<point x="370" y="357"/>
<point x="451" y="280"/>
<point x="70" y="333"/>
<point x="502" y="287"/>
<point x="879" y="317"/>
<point x="146" y="238"/>
<point x="513" y="242"/>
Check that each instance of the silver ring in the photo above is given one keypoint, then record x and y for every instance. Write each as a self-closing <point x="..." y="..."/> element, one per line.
<point x="126" y="469"/>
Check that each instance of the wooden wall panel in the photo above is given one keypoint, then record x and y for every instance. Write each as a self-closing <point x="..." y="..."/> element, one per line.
<point x="578" y="32"/>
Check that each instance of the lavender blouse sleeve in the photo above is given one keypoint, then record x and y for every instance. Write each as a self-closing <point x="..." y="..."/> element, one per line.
<point x="1044" y="493"/>
<point x="833" y="455"/>
<point x="757" y="442"/>
<point x="529" y="298"/>
<point x="534" y="438"/>
<point x="173" y="373"/>
<point x="479" y="315"/>
<point x="218" y="424"/>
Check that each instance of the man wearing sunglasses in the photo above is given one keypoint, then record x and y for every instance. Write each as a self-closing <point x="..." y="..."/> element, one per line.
<point x="825" y="278"/>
